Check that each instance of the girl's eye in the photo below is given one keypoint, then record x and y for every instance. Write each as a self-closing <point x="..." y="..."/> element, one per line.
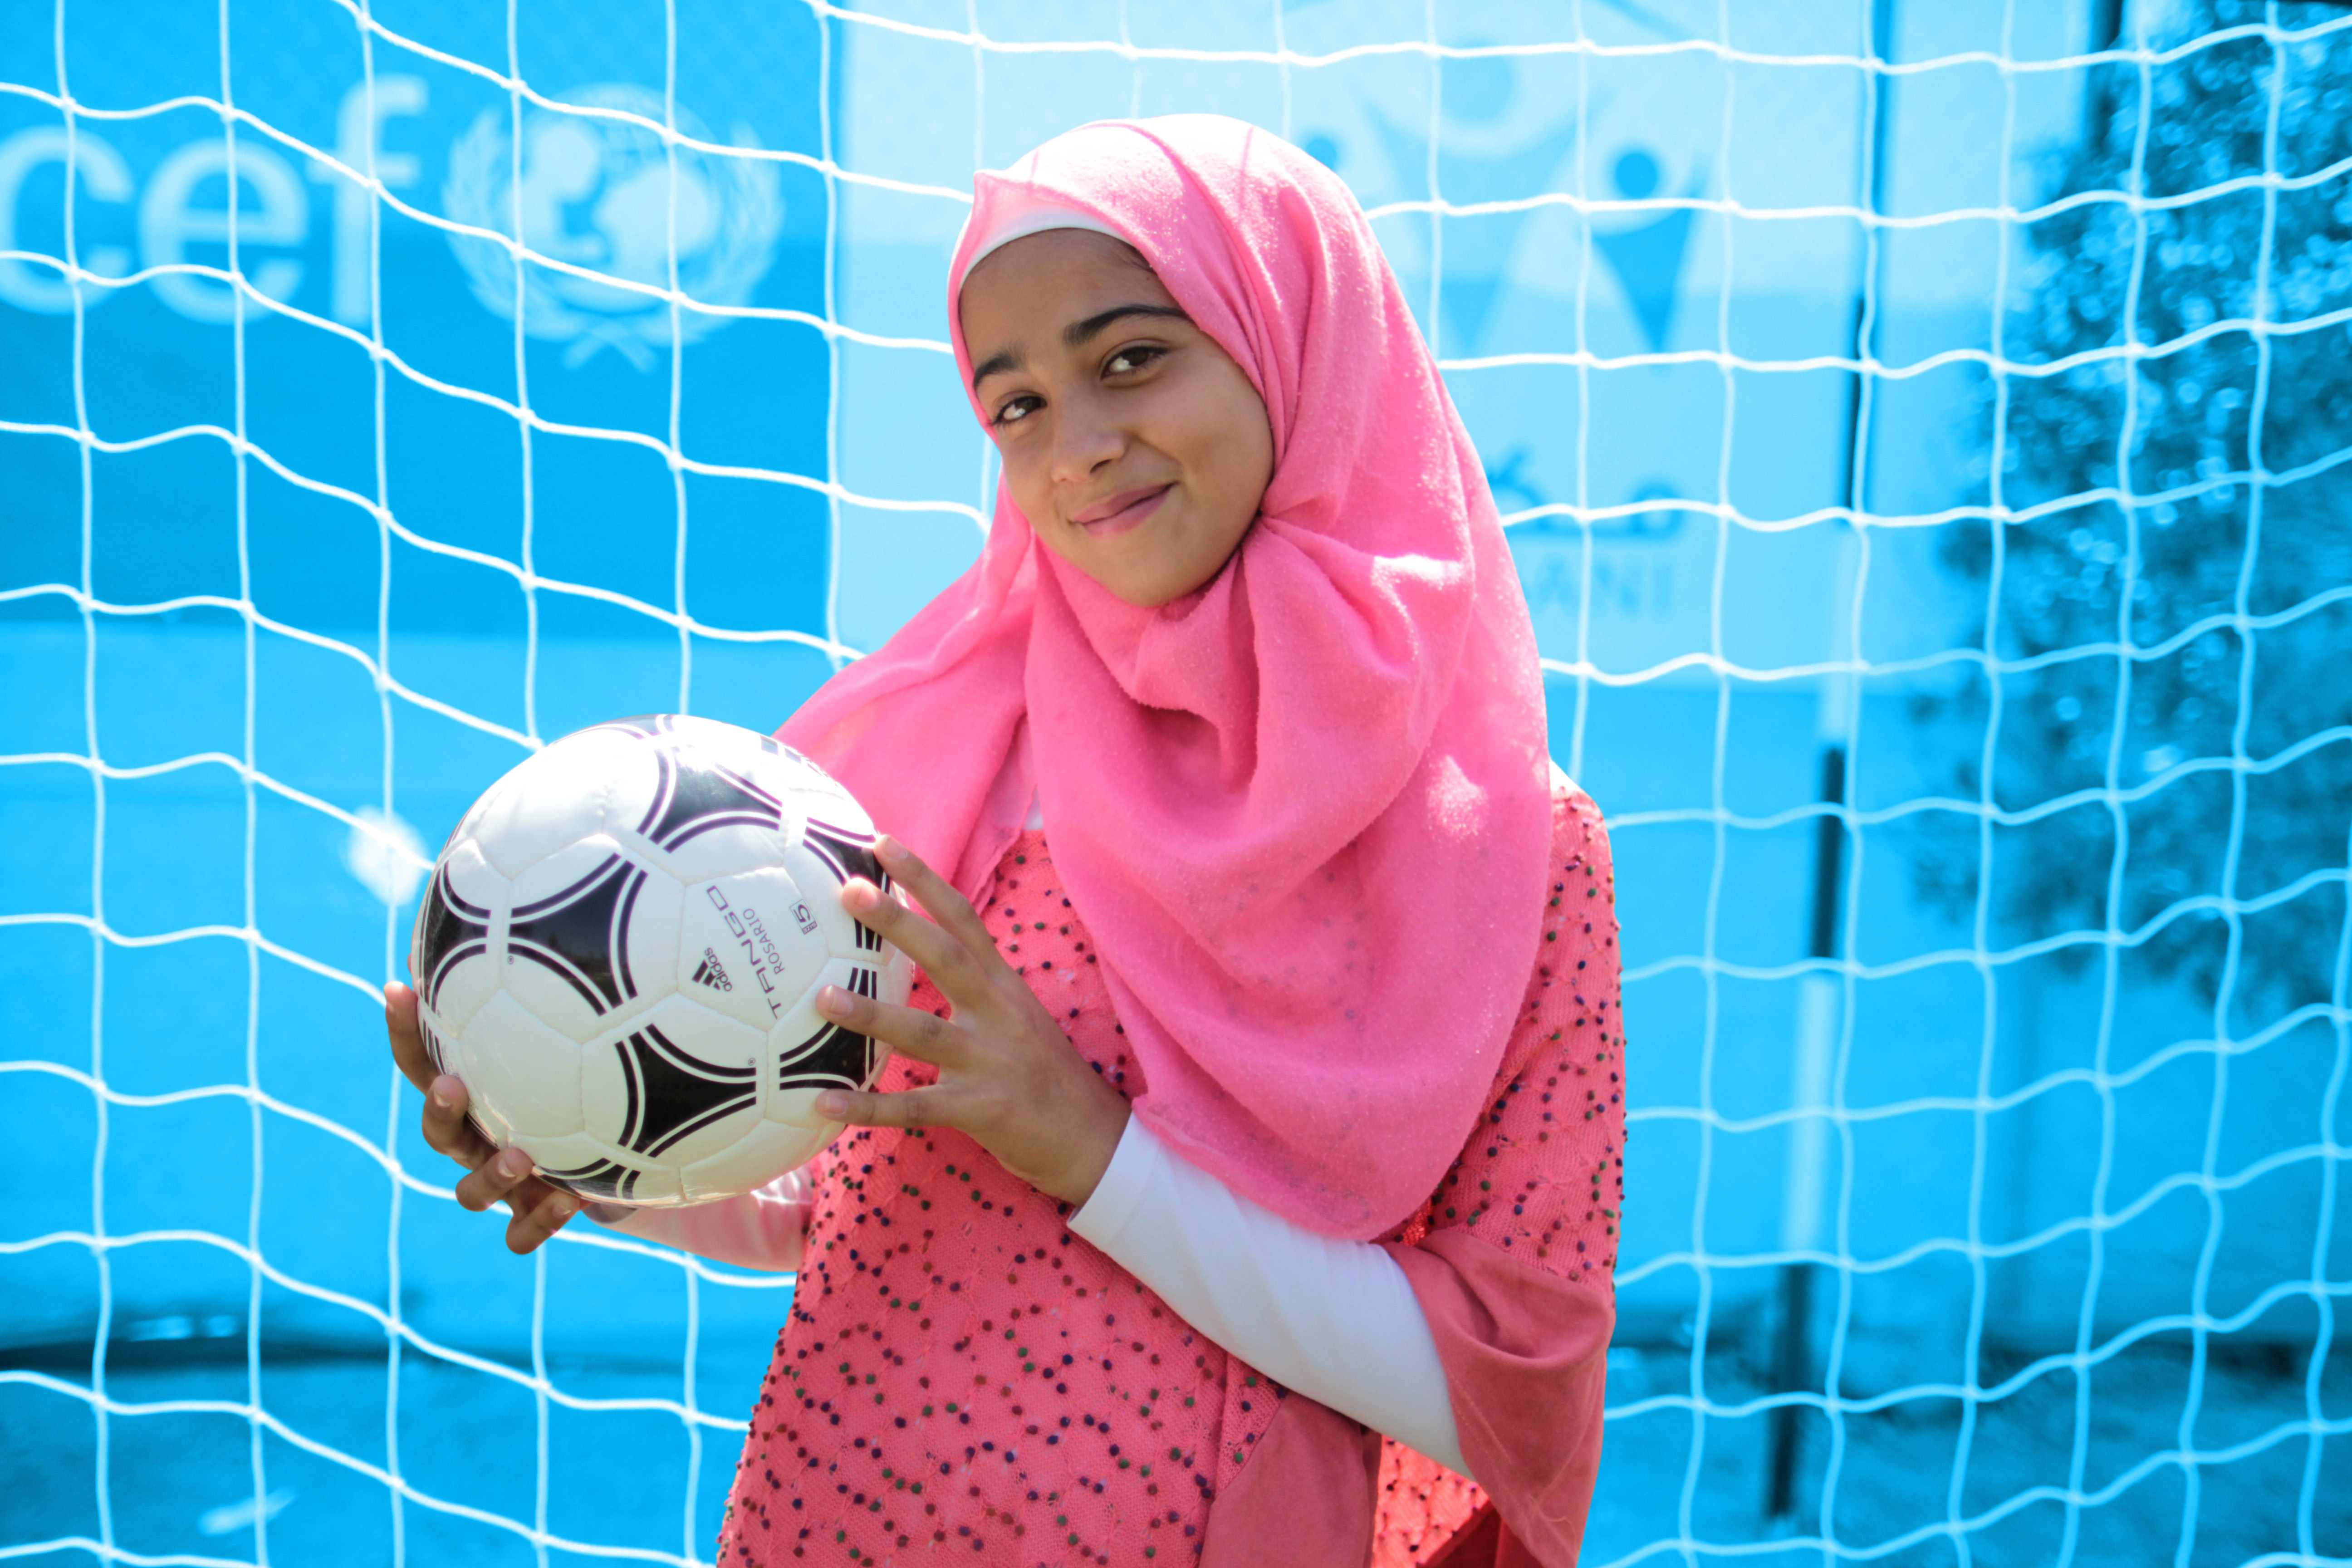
<point x="1016" y="409"/>
<point x="1127" y="360"/>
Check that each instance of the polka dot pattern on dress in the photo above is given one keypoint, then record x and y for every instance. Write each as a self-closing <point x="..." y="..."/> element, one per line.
<point x="1543" y="1173"/>
<point x="962" y="1379"/>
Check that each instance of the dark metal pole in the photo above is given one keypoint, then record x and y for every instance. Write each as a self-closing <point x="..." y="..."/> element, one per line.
<point x="1793" y="1350"/>
<point x="2099" y="92"/>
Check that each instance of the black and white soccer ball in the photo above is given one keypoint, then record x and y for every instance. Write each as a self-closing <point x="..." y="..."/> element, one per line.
<point x="620" y="951"/>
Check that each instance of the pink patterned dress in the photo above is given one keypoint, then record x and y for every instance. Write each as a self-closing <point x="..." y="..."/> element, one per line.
<point x="962" y="1379"/>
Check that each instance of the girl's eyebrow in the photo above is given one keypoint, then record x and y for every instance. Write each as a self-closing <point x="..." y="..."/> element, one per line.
<point x="997" y="363"/>
<point x="1074" y="336"/>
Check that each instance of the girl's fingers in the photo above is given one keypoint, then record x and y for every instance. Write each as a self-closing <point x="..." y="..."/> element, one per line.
<point x="495" y="1178"/>
<point x="540" y="1211"/>
<point x="940" y="953"/>
<point x="447" y="1130"/>
<point x="928" y="1107"/>
<point x="938" y="897"/>
<point x="408" y="1040"/>
<point x="926" y="1037"/>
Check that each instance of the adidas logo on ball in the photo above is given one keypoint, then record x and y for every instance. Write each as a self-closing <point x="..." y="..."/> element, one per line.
<point x="595" y="956"/>
<point x="711" y="973"/>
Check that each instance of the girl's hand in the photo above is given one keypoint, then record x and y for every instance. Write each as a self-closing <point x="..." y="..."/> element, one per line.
<point x="540" y="1209"/>
<point x="1008" y="1075"/>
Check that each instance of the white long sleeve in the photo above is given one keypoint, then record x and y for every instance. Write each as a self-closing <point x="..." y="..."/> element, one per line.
<point x="1334" y="1319"/>
<point x="760" y="1230"/>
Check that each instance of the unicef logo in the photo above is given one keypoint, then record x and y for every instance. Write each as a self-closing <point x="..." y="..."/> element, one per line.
<point x="596" y="194"/>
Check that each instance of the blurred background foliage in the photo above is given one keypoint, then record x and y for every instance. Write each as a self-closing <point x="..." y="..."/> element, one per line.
<point x="2180" y="734"/>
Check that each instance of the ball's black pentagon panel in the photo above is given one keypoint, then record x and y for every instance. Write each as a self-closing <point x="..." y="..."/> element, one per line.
<point x="448" y="929"/>
<point x="834" y="1057"/>
<point x="704" y="795"/>
<point x="673" y="1093"/>
<point x="848" y="853"/>
<point x="582" y="933"/>
<point x="696" y="795"/>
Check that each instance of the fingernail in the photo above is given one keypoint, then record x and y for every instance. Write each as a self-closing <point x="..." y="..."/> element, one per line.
<point x="858" y="896"/>
<point x="888" y="848"/>
<point x="515" y="1163"/>
<point x="832" y="999"/>
<point x="441" y="1099"/>
<point x="833" y="1104"/>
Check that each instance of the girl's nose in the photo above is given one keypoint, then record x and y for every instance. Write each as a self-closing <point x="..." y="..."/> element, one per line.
<point x="1084" y="441"/>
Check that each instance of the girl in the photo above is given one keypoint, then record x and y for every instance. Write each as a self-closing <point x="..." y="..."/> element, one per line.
<point x="1244" y="1188"/>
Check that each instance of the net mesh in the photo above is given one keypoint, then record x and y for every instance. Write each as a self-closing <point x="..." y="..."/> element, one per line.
<point x="1923" y="434"/>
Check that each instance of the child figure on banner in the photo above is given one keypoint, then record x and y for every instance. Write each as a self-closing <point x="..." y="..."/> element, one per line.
<point x="1246" y="1187"/>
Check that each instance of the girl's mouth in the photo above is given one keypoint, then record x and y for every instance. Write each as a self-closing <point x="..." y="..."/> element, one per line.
<point x="1122" y="511"/>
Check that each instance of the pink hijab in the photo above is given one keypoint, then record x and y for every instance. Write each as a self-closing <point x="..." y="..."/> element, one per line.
<point x="1304" y="810"/>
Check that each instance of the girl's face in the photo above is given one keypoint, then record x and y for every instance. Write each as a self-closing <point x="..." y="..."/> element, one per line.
<point x="1132" y="442"/>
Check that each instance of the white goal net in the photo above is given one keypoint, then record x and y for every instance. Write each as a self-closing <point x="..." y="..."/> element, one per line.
<point x="1924" y="431"/>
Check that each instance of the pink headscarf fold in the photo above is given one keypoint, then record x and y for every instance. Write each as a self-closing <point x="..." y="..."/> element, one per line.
<point x="1304" y="810"/>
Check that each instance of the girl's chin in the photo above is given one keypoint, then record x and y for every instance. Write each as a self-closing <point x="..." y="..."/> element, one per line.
<point x="1157" y="590"/>
<point x="1144" y="594"/>
<point x="1133" y="582"/>
<point x="1136" y="566"/>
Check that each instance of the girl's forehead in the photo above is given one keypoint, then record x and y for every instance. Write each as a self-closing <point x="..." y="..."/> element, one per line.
<point x="1057" y="258"/>
<point x="1048" y="282"/>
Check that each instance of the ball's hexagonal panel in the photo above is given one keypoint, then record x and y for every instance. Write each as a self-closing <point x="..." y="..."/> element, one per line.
<point x="562" y="869"/>
<point x="519" y="1070"/>
<point x="796" y="1108"/>
<point x="765" y="1150"/>
<point x="469" y="881"/>
<point x="749" y="946"/>
<point x="643" y="741"/>
<point x="675" y="1085"/>
<point x="730" y="849"/>
<point x="650" y="937"/>
<point x="554" y="798"/>
<point x="592" y="937"/>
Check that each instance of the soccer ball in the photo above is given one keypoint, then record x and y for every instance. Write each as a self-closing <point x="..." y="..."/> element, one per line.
<point x="620" y="951"/>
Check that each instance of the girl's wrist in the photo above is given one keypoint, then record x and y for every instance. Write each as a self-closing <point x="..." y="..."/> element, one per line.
<point x="1093" y="1150"/>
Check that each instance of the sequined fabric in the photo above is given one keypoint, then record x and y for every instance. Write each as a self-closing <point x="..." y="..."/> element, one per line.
<point x="964" y="1380"/>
